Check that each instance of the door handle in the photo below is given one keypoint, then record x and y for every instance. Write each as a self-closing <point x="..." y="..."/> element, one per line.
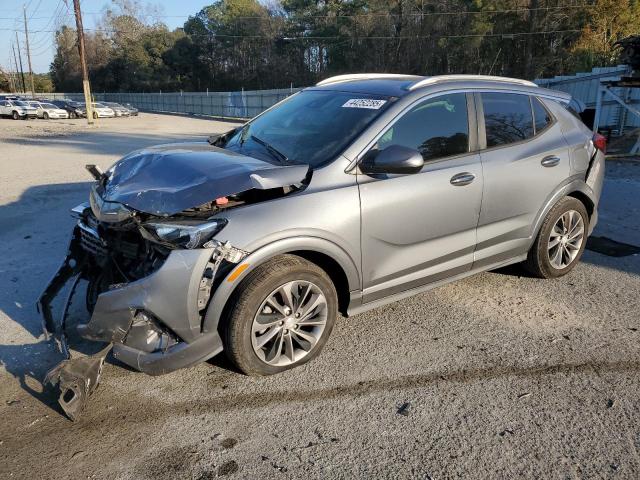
<point x="550" y="161"/>
<point x="462" y="179"/>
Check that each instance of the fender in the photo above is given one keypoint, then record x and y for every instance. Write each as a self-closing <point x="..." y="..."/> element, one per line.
<point x="573" y="184"/>
<point x="291" y="244"/>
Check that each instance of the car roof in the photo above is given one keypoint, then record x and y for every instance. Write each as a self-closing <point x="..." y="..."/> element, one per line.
<point x="400" y="85"/>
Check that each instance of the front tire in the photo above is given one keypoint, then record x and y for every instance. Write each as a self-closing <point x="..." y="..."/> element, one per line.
<point x="561" y="240"/>
<point x="15" y="115"/>
<point x="73" y="115"/>
<point x="45" y="116"/>
<point x="280" y="316"/>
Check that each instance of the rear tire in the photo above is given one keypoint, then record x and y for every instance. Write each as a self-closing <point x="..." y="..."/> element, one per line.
<point x="73" y="115"/>
<point x="294" y="331"/>
<point x="561" y="240"/>
<point x="45" y="116"/>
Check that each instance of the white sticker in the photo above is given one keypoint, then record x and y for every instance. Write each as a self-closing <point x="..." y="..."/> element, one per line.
<point x="364" y="103"/>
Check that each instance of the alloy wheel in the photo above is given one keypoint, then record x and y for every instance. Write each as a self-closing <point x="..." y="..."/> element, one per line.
<point x="565" y="239"/>
<point x="289" y="323"/>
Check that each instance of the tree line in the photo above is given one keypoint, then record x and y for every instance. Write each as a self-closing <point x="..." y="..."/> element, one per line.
<point x="234" y="44"/>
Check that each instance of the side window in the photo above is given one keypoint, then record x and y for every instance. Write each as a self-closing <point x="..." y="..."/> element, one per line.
<point x="541" y="116"/>
<point x="437" y="128"/>
<point x="507" y="118"/>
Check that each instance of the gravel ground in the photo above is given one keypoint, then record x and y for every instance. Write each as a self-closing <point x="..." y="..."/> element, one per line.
<point x="498" y="375"/>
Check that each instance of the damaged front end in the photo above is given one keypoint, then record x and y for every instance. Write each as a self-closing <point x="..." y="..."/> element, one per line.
<point x="150" y="271"/>
<point x="146" y="300"/>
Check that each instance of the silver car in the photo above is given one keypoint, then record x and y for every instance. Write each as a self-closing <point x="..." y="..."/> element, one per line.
<point x="357" y="192"/>
<point x="118" y="109"/>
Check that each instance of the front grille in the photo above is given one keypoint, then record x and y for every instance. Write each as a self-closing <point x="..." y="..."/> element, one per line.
<point x="91" y="241"/>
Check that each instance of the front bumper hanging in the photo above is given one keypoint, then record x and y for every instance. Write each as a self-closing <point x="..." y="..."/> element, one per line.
<point x="153" y="324"/>
<point x="76" y="378"/>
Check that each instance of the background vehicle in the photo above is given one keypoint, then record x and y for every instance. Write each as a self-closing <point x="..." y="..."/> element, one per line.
<point x="48" y="110"/>
<point x="133" y="111"/>
<point x="17" y="109"/>
<point x="351" y="194"/>
<point x="75" y="109"/>
<point x="118" y="109"/>
<point x="102" y="111"/>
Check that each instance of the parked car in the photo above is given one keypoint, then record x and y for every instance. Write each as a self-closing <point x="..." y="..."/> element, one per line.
<point x="47" y="110"/>
<point x="133" y="111"/>
<point x="17" y="109"/>
<point x="75" y="109"/>
<point x="357" y="192"/>
<point x="102" y="111"/>
<point x="118" y="109"/>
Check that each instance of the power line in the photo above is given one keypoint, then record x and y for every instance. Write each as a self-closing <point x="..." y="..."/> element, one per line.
<point x="368" y="15"/>
<point x="310" y="37"/>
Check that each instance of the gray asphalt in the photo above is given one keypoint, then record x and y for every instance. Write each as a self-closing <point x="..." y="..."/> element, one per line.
<point x="496" y="376"/>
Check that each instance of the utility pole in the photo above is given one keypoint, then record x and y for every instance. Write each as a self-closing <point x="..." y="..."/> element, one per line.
<point x="24" y="86"/>
<point x="26" y="35"/>
<point x="83" y="62"/>
<point x="16" y="82"/>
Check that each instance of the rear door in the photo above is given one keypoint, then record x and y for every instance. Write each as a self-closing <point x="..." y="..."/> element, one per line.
<point x="421" y="228"/>
<point x="525" y="158"/>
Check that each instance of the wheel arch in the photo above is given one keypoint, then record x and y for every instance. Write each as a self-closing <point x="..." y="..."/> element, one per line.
<point x="335" y="261"/>
<point x="585" y="199"/>
<point x="577" y="189"/>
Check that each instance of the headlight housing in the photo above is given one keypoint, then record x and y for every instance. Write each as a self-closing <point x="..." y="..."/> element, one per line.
<point x="110" y="212"/>
<point x="182" y="234"/>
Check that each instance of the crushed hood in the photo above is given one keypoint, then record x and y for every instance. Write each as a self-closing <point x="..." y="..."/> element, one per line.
<point x="167" y="179"/>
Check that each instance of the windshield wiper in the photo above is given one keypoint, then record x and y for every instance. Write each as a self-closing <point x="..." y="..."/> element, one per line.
<point x="271" y="149"/>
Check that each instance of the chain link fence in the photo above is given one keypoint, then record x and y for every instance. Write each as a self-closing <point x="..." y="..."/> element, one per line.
<point x="240" y="105"/>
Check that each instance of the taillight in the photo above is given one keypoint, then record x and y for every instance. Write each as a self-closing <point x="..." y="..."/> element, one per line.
<point x="600" y="142"/>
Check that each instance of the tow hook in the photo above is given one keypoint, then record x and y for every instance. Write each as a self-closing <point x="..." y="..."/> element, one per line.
<point x="76" y="380"/>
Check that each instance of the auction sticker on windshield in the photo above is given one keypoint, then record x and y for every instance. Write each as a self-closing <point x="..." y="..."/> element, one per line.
<point x="364" y="103"/>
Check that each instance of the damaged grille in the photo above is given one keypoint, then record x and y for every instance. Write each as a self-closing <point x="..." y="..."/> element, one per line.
<point x="91" y="241"/>
<point x="119" y="251"/>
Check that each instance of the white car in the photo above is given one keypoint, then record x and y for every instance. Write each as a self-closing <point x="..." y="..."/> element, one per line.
<point x="102" y="111"/>
<point x="49" y="110"/>
<point x="17" y="109"/>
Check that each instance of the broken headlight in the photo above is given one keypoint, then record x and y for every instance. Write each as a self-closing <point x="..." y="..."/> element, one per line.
<point x="182" y="234"/>
<point x="111" y="212"/>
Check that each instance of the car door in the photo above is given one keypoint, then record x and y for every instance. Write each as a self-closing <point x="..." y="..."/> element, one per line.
<point x="4" y="108"/>
<point x="420" y="228"/>
<point x="525" y="159"/>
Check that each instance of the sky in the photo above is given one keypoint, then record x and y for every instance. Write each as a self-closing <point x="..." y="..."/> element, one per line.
<point x="44" y="16"/>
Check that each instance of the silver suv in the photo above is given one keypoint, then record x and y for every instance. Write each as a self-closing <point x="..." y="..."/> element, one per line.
<point x="359" y="191"/>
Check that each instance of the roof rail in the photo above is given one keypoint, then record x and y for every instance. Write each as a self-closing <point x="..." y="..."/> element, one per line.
<point x="453" y="78"/>
<point x="361" y="76"/>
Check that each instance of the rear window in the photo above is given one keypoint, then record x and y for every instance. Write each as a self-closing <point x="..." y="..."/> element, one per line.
<point x="541" y="116"/>
<point x="507" y="118"/>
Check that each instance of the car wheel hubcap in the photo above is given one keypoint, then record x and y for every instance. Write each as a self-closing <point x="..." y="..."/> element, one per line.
<point x="566" y="239"/>
<point x="289" y="323"/>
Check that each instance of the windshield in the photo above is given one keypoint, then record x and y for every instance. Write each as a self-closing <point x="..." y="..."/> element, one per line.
<point x="312" y="127"/>
<point x="21" y="104"/>
<point x="48" y="105"/>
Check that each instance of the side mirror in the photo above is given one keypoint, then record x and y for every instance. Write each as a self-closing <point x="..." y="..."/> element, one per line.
<point x="393" y="159"/>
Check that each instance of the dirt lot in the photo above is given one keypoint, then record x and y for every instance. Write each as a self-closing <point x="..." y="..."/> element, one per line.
<point x="498" y="376"/>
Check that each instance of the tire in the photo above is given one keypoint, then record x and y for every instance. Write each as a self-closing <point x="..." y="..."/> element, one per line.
<point x="73" y="115"/>
<point x="543" y="260"/>
<point x="45" y="116"/>
<point x="15" y="115"/>
<point x="95" y="115"/>
<point x="241" y="340"/>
